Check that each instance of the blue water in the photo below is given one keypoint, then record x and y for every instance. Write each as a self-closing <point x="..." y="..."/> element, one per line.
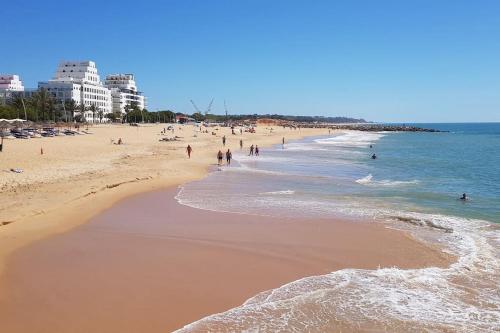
<point x="467" y="159"/>
<point x="417" y="172"/>
<point x="414" y="184"/>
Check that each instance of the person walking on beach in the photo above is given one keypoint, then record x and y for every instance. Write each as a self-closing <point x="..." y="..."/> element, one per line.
<point x="241" y="144"/>
<point x="189" y="150"/>
<point x="256" y="150"/>
<point x="219" y="157"/>
<point x="283" y="142"/>
<point x="251" y="151"/>
<point x="224" y="140"/>
<point x="229" y="155"/>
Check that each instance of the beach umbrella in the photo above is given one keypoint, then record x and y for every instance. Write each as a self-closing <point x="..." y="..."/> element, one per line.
<point x="47" y="125"/>
<point x="5" y="124"/>
<point x="17" y="124"/>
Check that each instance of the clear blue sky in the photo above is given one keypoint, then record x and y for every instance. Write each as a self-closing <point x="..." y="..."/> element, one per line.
<point x="425" y="61"/>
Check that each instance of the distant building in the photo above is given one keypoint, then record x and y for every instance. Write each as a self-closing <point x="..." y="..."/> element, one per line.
<point x="183" y="119"/>
<point x="79" y="81"/>
<point x="9" y="84"/>
<point x="124" y="92"/>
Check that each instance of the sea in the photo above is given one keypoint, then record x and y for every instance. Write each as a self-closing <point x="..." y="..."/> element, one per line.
<point x="414" y="184"/>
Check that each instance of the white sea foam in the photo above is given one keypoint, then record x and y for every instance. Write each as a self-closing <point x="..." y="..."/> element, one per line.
<point x="463" y="297"/>
<point x="261" y="158"/>
<point x="352" y="139"/>
<point x="285" y="192"/>
<point x="460" y="298"/>
<point x="365" y="180"/>
<point x="368" y="180"/>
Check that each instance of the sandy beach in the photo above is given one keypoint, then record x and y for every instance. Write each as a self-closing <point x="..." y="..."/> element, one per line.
<point x="148" y="263"/>
<point x="79" y="176"/>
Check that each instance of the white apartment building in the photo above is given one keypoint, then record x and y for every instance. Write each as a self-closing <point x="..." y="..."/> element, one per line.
<point x="9" y="83"/>
<point x="80" y="81"/>
<point x="124" y="92"/>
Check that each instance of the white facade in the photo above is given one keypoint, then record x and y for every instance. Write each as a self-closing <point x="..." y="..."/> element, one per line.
<point x="80" y="81"/>
<point x="124" y="92"/>
<point x="9" y="83"/>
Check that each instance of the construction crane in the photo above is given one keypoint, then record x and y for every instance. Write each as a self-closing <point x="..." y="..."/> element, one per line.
<point x="209" y="108"/>
<point x="225" y="109"/>
<point x="195" y="107"/>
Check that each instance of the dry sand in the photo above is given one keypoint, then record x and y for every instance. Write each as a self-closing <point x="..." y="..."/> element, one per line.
<point x="79" y="176"/>
<point x="149" y="264"/>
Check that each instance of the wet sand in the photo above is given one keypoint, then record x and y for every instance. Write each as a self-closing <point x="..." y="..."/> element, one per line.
<point x="149" y="264"/>
<point x="79" y="176"/>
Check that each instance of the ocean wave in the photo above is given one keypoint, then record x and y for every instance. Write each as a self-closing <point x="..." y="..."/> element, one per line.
<point x="368" y="180"/>
<point x="285" y="192"/>
<point x="463" y="297"/>
<point x="303" y="147"/>
<point x="352" y="139"/>
<point x="460" y="298"/>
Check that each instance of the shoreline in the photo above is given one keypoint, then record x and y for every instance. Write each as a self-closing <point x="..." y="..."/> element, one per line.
<point x="141" y="165"/>
<point x="180" y="264"/>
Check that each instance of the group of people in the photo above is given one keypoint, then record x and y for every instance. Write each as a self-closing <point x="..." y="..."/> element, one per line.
<point x="220" y="157"/>
<point x="254" y="150"/>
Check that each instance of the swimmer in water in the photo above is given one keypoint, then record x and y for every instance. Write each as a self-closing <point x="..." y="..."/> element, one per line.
<point x="463" y="197"/>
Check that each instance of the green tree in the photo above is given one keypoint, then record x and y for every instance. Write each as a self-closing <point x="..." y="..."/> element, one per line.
<point x="7" y="112"/>
<point x="198" y="116"/>
<point x="71" y="107"/>
<point x="127" y="110"/>
<point x="100" y="114"/>
<point x="113" y="116"/>
<point x="81" y="116"/>
<point x="94" y="110"/>
<point x="16" y="102"/>
<point x="43" y="102"/>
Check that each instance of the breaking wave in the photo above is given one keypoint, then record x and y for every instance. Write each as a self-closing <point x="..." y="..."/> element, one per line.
<point x="352" y="139"/>
<point x="285" y="192"/>
<point x="368" y="180"/>
<point x="463" y="297"/>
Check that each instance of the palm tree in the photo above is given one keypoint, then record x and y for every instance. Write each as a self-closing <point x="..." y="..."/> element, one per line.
<point x="71" y="107"/>
<point x="93" y="109"/>
<point x="43" y="102"/>
<point x="82" y="109"/>
<point x="17" y="103"/>
<point x="127" y="110"/>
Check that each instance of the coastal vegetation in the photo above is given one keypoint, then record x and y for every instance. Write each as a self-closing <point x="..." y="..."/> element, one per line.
<point x="41" y="106"/>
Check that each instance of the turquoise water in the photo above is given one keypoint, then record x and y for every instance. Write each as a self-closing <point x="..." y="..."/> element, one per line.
<point x="467" y="159"/>
<point x="413" y="185"/>
<point x="418" y="172"/>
